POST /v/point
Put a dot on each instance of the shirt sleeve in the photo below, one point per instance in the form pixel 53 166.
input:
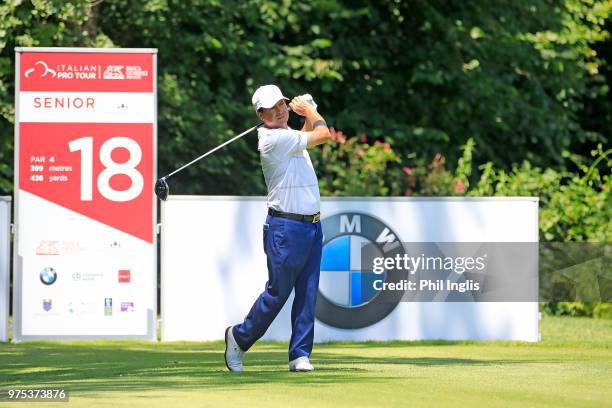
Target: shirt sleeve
pixel 289 142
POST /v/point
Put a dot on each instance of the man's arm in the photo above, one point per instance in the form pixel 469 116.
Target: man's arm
pixel 319 133
pixel 307 126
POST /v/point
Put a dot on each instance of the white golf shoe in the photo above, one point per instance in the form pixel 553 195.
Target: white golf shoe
pixel 300 364
pixel 233 352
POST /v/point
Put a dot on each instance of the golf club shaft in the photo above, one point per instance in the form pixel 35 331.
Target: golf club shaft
pixel 213 150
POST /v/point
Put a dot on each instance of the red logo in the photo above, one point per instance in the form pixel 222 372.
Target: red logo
pixel 124 276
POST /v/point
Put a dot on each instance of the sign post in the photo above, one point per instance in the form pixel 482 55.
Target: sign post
pixel 85 137
pixel 5 244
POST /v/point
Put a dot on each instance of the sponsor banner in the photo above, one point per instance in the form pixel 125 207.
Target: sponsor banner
pixel 65 293
pixel 85 209
pixel 223 237
pixel 86 107
pixel 94 72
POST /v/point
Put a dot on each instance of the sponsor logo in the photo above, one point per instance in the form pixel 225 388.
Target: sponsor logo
pixel 71 247
pixel 79 307
pixel 116 247
pixel 345 300
pixel 124 275
pixel 47 304
pixel 48 276
pixel 108 306
pixel 77 71
pixel 40 69
pixel 63 71
pixel 127 306
pixel 48 248
pixel 124 72
pixel 135 72
pixel 73 307
pixel 86 276
pixel 114 72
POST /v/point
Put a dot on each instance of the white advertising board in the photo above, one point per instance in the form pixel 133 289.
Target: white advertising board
pixel 213 267
pixel 85 137
pixel 5 244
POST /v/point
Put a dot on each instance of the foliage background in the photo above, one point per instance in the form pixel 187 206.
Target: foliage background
pixel 432 97
pixel 526 80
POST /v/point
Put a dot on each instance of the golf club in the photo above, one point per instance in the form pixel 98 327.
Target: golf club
pixel 162 189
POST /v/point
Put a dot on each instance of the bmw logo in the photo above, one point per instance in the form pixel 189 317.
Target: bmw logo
pixel 346 298
pixel 48 276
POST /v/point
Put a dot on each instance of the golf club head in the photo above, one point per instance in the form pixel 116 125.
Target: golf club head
pixel 162 189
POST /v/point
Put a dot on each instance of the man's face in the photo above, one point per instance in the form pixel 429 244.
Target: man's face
pixel 276 116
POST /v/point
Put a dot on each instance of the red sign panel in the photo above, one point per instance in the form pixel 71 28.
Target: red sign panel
pixel 92 72
pixel 101 170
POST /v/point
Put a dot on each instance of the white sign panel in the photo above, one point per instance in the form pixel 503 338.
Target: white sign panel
pixel 5 243
pixel 214 266
pixel 85 136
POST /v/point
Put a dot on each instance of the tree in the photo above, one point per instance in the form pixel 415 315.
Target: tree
pixel 520 78
pixel 41 23
pixel 427 75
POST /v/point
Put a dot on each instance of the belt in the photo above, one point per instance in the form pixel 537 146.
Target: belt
pixel 296 217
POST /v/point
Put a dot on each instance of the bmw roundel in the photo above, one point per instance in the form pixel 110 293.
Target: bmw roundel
pixel 48 276
pixel 346 298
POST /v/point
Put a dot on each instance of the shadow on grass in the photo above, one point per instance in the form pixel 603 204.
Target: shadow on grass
pixel 140 367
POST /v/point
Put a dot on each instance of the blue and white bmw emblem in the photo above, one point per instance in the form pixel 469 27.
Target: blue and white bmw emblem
pixel 347 299
pixel 48 276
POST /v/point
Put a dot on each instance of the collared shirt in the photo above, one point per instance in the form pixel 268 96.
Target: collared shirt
pixel 291 180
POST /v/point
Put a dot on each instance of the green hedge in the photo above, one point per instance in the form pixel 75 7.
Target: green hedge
pixel 574 206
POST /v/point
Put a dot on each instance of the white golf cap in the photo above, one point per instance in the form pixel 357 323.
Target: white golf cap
pixel 266 97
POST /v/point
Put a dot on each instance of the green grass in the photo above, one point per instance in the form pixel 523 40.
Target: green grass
pixel 571 367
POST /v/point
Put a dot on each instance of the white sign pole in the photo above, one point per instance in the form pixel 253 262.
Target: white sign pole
pixel 5 243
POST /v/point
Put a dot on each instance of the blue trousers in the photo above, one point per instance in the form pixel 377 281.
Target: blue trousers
pixel 293 249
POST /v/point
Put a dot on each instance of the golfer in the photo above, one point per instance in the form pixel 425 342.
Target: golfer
pixel 292 235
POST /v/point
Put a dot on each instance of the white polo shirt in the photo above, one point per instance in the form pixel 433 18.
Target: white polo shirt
pixel 291 180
